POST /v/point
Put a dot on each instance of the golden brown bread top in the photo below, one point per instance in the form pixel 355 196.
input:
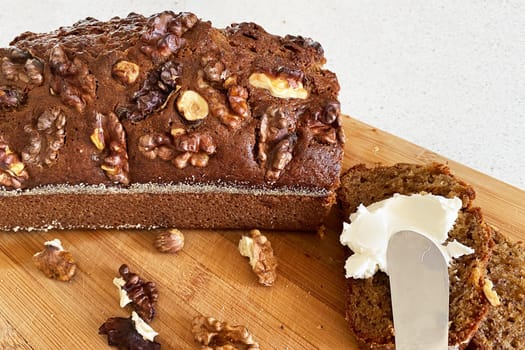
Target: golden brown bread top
pixel 121 102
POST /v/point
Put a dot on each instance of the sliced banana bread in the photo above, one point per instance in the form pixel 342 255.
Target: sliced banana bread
pixel 368 306
pixel 504 327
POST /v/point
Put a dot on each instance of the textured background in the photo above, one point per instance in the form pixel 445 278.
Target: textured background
pixel 447 75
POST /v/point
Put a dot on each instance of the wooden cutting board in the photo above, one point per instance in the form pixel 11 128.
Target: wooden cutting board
pixel 304 310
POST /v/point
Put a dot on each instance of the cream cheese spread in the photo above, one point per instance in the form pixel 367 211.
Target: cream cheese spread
pixel 371 228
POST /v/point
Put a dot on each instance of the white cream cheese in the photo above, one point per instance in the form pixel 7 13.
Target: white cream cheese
pixel 124 298
pixel 371 228
pixel 143 328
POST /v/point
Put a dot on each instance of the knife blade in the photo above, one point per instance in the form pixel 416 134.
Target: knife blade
pixel 419 285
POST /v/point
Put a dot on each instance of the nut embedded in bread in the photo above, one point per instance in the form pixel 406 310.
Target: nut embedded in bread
pixel 166 121
pixel 368 303
pixel 504 327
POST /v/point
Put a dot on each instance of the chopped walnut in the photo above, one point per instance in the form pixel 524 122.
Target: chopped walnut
pixel 125 71
pixel 276 142
pixel 259 249
pixel 279 86
pixel 55 262
pixel 282 155
pixel 218 105
pixel 143 295
pixel 123 334
pixel 163 34
pixel 170 241
pixel 490 293
pixel 71 79
pixel 109 137
pixel 323 133
pixel 155 145
pixel 181 148
pixel 20 66
pixel 325 126
pixel 11 97
pixel 155 91
pixel 214 69
pixel 238 96
pixel 12 170
pixel 46 137
pixel 213 334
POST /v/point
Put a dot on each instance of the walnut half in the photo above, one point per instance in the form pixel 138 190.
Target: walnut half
pixel 259 249
pixel 126 333
pixel 109 137
pixel 278 87
pixel 55 262
pixel 170 241
pixel 213 334
pixel 47 136
pixel 141 294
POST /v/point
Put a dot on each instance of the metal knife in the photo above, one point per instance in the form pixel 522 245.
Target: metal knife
pixel 419 285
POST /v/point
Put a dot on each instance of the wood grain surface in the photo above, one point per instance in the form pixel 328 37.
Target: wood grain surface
pixel 303 310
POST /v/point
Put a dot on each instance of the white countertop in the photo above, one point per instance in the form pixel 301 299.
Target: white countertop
pixel 447 75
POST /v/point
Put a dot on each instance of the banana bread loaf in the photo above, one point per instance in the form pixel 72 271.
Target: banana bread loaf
pixel 166 121
pixel 504 327
pixel 368 307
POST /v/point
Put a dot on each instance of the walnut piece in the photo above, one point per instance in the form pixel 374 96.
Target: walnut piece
pixel 55 262
pixel 192 106
pixel 282 155
pixel 213 334
pixel 46 137
pixel 218 105
pixel 170 241
pixel 125 71
pixel 71 79
pixel 259 249
pixel 276 142
pixel 213 68
pixel 180 147
pixel 143 295
pixel 163 34
pixel 325 127
pixel 12 170
pixel 278 86
pixel 109 137
pixel 490 293
pixel 154 92
pixel 238 98
pixel 20 66
pixel 11 97
pixel 123 334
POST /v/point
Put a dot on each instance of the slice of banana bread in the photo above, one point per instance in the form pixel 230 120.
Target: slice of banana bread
pixel 368 306
pixel 504 327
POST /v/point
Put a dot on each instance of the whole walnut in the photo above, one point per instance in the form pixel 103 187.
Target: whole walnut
pixel 109 137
